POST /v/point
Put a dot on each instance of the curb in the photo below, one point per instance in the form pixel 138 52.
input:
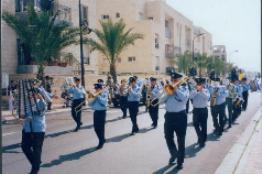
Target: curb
pixel 232 161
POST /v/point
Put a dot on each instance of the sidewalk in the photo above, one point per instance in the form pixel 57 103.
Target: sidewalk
pixel 245 156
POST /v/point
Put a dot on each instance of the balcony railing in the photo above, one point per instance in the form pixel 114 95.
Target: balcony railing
pixel 172 51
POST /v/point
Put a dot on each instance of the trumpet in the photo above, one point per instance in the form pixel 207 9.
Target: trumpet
pixel 169 90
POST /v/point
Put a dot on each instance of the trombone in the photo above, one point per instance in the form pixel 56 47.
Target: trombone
pixel 169 90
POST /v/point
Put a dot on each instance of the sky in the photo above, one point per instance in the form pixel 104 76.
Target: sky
pixel 233 23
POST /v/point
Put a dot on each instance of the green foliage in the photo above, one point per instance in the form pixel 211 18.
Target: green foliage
pixel 184 62
pixel 111 40
pixel 42 34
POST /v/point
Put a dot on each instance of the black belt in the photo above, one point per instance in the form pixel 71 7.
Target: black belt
pixel 176 113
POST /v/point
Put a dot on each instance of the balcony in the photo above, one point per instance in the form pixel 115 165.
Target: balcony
pixel 171 51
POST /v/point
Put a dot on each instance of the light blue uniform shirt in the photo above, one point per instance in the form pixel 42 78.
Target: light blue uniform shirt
pixel 200 99
pixel 222 93
pixel 177 101
pixel 239 90
pixel 245 87
pixel 155 91
pixel 78 92
pixel 38 118
pixel 100 103
pixel 134 94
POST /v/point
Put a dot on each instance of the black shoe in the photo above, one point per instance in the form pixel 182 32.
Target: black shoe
pixel 229 126
pixel 136 130
pixel 171 160
pixel 179 166
pixel 81 123
pixel 202 145
pixel 100 145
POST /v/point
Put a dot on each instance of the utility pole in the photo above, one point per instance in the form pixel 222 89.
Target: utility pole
pixel 82 66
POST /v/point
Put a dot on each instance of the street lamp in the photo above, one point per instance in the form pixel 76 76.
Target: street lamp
pixel 229 55
pixel 193 45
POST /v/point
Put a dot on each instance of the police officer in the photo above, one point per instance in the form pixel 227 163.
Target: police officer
pixel 33 133
pixel 218 94
pixel 123 90
pixel 245 88
pixel 176 120
pixel 200 97
pixel 99 105
pixel 153 108
pixel 134 95
pixel 79 94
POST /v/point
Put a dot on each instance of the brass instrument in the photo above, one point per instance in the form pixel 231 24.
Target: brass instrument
pixel 148 95
pixel 213 99
pixel 169 90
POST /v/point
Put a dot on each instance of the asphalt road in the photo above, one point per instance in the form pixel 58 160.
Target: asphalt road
pixel 67 152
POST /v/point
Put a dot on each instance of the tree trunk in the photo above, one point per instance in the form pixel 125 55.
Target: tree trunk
pixel 40 74
pixel 113 72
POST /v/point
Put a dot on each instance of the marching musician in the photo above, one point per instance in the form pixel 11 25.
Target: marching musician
pixel 176 120
pixel 153 109
pixel 99 105
pixel 123 91
pixel 79 94
pixel 245 87
pixel 238 100
pixel 134 96
pixel 218 102
pixel 200 97
pixel 33 133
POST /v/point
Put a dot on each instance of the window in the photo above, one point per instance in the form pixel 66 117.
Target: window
pixel 117 15
pixel 119 60
pixel 20 54
pixel 141 16
pixel 105 16
pixel 87 60
pixel 150 18
pixel 84 14
pixel 65 14
pixel 18 5
pixel 157 41
pixel 131 59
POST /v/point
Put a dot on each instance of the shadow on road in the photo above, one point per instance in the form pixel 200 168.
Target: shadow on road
pixel 120 138
pixel 10 148
pixel 168 169
pixel 192 150
pixel 69 157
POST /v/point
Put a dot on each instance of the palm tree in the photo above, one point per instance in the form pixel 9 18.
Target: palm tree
pixel 201 63
pixel 42 36
pixel 184 62
pixel 113 38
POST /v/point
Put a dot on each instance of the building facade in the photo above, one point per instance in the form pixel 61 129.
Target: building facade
pixel 12 53
pixel 219 51
pixel 202 41
pixel 167 33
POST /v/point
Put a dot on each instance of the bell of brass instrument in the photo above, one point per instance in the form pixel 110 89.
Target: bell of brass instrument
pixel 214 98
pixel 169 90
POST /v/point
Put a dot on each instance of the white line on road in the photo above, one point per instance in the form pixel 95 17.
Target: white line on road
pixel 9 133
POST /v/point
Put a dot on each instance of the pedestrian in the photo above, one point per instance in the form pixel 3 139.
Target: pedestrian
pixel 79 95
pixel 134 96
pixel 200 96
pixel 154 106
pixel 176 120
pixel 123 90
pixel 33 133
pixel 99 105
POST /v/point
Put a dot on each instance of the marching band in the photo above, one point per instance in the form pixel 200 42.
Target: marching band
pixel 175 94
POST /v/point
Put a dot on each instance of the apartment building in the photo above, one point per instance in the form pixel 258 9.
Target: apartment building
pixel 202 41
pixel 13 54
pixel 167 33
pixel 219 51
